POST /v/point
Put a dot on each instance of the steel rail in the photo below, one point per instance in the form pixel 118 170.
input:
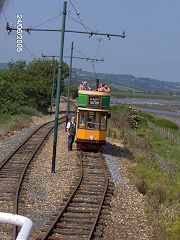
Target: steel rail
pixel 49 232
pixel 102 200
pixel 10 156
pixel 24 171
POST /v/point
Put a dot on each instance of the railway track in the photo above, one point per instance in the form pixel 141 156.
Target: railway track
pixel 82 215
pixel 13 170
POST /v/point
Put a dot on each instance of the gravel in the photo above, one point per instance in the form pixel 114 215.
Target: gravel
pixel 127 219
pixel 44 191
pixel 9 144
pixel 113 164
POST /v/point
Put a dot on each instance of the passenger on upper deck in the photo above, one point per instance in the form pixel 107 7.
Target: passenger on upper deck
pixel 101 87
pixel 84 86
pixel 81 86
pixel 107 88
pixel 104 88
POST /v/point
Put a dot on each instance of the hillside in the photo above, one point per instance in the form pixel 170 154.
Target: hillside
pixel 123 82
pixel 130 83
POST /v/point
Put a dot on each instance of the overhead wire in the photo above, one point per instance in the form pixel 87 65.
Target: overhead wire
pixel 34 56
pixel 78 22
pixel 98 48
pixel 47 21
pixel 81 22
pixel 82 54
pixel 87 29
pixel 4 15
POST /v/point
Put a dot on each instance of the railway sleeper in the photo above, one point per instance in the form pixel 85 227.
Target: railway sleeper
pixel 90 201
pixel 72 232
pixel 75 220
pixel 73 226
pixel 80 210
pixel 78 215
pixel 84 205
pixel 89 188
pixel 86 197
pixel 95 193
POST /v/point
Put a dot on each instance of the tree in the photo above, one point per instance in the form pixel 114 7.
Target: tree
pixel 28 85
pixel 19 65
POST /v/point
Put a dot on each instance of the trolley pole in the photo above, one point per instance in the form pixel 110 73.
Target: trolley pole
pixel 52 93
pixel 59 87
pixel 69 85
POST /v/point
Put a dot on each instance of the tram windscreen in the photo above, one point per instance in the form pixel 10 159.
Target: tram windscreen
pixel 93 120
pixel 103 122
pixel 81 121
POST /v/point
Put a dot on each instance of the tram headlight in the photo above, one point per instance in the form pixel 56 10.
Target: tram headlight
pixel 91 138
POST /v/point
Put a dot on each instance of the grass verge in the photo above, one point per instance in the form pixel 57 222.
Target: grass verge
pixel 11 123
pixel 155 172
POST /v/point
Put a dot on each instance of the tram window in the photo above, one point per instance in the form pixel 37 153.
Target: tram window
pixel 93 120
pixel 81 120
pixel 103 122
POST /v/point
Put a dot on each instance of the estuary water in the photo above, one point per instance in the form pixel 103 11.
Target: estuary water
pixel 145 103
pixel 158 111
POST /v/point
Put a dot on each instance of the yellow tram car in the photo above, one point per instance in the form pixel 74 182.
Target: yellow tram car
pixel 92 115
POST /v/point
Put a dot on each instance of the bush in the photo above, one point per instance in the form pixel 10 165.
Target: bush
pixel 134 117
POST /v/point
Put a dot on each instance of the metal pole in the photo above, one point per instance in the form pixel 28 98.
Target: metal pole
pixel 52 93
pixel 69 85
pixel 59 87
pixel 8 28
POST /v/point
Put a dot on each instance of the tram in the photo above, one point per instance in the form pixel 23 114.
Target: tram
pixel 92 115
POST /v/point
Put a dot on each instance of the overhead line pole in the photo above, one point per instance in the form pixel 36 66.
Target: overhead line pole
pixel 69 85
pixel 59 87
pixel 52 93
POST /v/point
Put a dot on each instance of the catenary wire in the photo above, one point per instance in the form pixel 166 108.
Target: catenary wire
pixel 34 56
pixel 47 21
pixel 4 15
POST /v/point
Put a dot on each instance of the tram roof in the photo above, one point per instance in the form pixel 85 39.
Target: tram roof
pixel 94 93
pixel 93 109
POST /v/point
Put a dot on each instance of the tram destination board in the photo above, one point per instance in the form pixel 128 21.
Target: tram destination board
pixel 94 100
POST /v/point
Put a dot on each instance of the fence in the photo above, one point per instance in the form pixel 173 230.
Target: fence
pixel 164 132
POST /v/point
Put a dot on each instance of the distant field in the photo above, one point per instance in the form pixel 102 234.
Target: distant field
pixel 143 95
pixel 118 87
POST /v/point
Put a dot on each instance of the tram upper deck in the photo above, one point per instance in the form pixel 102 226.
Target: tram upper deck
pixel 93 99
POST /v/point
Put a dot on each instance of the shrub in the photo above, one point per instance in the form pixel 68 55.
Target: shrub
pixel 134 117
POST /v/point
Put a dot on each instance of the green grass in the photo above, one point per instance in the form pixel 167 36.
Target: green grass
pixel 160 122
pixel 156 172
pixel 118 109
pixel 22 116
pixel 118 87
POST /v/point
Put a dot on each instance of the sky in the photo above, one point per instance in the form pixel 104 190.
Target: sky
pixel 151 47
